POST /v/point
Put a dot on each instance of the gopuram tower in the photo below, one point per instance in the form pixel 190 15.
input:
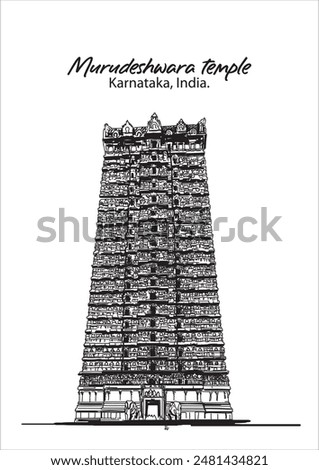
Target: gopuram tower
pixel 153 343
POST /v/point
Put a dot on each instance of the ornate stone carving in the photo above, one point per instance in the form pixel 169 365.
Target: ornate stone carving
pixel 127 128
pixel 181 126
pixel 154 321
pixel 154 124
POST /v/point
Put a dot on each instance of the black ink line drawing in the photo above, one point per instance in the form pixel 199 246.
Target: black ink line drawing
pixel 154 345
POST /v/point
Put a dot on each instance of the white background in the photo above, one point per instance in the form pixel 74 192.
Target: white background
pixel 261 151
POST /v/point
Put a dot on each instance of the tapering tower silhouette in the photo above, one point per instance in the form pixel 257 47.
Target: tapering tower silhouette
pixel 154 344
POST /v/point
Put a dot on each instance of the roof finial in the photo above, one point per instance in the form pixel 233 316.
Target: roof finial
pixel 154 124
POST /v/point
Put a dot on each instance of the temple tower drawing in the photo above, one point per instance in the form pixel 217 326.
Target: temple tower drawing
pixel 154 344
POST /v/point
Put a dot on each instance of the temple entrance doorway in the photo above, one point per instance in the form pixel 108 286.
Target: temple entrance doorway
pixel 152 408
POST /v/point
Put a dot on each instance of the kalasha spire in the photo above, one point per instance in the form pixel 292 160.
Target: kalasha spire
pixel 154 124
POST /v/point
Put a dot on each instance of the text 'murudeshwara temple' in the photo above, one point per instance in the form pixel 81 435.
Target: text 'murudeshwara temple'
pixel 154 345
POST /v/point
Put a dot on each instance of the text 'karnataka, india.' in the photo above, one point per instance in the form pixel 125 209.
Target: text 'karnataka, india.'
pixel 154 346
pixel 194 82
